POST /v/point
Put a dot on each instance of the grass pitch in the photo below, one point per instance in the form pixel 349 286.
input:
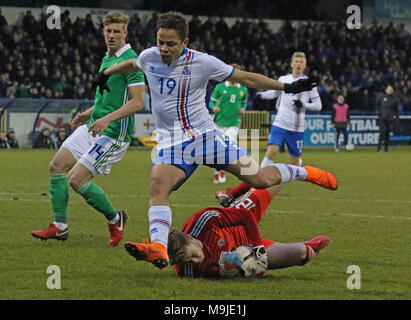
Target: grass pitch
pixel 368 220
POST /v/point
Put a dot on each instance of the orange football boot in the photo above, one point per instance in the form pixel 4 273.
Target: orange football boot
pixel 321 178
pixel 154 252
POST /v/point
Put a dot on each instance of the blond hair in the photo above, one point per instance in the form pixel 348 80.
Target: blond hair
pixel 115 17
pixel 298 54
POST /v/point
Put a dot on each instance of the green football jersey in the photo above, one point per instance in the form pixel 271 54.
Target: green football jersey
pixel 117 97
pixel 230 99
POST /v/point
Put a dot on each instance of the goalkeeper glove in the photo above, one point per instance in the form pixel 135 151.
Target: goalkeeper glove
pixel 101 82
pixel 230 262
pixel 256 266
pixel 301 85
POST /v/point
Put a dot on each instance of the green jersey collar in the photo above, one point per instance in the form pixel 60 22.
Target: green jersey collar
pixel 122 50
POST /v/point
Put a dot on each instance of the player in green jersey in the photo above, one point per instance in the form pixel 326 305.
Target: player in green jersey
pixel 228 102
pixel 84 155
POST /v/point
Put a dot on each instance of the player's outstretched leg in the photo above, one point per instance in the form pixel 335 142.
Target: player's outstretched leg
pixel 153 252
pixel 284 255
pixel 321 178
pixel 251 173
pixel 317 176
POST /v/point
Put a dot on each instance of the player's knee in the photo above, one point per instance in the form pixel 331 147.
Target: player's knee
pixel 73 181
pixel 158 187
pixel 56 167
pixel 259 181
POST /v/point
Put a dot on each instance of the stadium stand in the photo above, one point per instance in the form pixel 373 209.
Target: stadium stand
pixel 40 63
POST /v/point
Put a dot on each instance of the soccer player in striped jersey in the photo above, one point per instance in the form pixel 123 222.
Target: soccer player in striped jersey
pixel 205 246
pixel 186 134
pixel 288 126
pixel 228 102
pixel 83 155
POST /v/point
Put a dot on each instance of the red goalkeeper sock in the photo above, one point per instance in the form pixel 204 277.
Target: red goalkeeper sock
pixel 239 190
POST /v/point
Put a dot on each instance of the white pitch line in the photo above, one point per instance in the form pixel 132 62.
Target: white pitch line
pixel 279 197
pixel 344 200
pixel 198 207
pixel 357 215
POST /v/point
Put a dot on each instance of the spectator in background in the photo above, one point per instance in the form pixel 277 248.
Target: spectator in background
pixel 43 139
pixel 4 84
pixel 11 139
pixel 3 141
pixel 340 120
pixel 3 21
pixel 387 108
pixel 376 54
pixel 58 137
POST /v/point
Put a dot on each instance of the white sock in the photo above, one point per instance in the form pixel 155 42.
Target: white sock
pixel 309 255
pixel 115 220
pixel 159 223
pixel 266 162
pixel 290 173
pixel 61 226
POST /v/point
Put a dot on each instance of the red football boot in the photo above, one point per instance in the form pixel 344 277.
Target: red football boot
pixel 117 229
pixel 51 232
pixel 318 243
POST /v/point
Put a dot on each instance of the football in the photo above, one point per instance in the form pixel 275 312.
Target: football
pixel 349 147
pixel 246 252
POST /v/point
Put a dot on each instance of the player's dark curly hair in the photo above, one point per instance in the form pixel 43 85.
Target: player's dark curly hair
pixel 174 20
pixel 177 242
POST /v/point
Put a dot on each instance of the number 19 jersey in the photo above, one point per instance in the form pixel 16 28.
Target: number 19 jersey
pixel 178 93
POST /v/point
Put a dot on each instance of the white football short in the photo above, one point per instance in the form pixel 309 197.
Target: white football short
pixel 231 132
pixel 98 154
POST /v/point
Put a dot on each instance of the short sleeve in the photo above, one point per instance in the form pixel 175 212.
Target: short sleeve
pixel 142 58
pixel 216 69
pixel 135 79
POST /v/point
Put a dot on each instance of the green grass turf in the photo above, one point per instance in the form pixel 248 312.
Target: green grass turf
pixel 368 220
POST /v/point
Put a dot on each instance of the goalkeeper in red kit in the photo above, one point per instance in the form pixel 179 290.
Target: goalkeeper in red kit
pixel 206 245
